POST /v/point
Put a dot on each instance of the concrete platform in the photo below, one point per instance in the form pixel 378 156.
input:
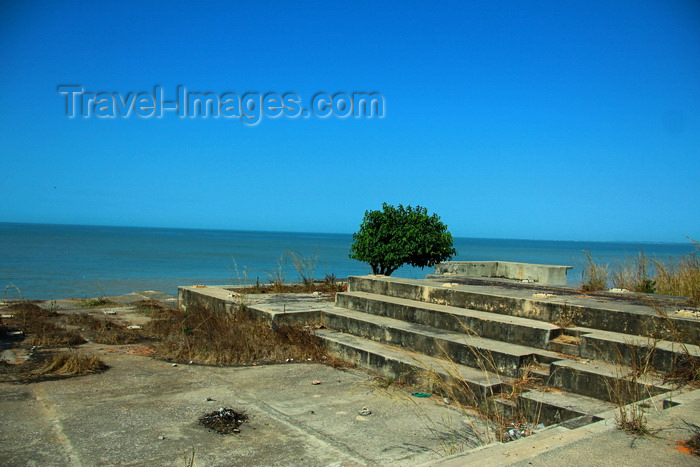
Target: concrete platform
pixel 536 352
pixel 119 417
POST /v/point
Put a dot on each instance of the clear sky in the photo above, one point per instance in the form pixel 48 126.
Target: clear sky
pixel 538 120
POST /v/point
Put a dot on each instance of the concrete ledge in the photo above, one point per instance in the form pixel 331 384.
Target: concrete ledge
pixel 540 273
pixel 303 309
pixel 511 329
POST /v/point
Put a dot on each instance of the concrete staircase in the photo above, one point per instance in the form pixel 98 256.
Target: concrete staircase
pixel 517 351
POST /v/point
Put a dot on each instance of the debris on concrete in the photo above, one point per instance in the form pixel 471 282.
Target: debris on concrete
pixel 616 290
pixel 365 411
pixel 224 421
pixel 543 295
pixel 14 356
pixel 174 364
pixel 315 382
pixel 420 394
pixel 520 430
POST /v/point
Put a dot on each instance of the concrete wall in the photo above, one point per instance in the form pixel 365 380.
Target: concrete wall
pixel 540 273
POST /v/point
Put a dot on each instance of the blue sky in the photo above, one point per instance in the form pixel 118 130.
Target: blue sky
pixel 536 120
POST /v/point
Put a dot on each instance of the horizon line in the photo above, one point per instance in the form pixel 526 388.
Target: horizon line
pixel 333 233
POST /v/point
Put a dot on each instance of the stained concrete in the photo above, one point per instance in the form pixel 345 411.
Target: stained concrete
pixel 599 443
pixel 540 273
pixel 118 417
pixel 508 335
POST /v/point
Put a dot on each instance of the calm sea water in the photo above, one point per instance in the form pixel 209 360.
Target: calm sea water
pixel 59 261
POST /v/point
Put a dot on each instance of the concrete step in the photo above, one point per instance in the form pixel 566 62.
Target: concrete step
pixel 465 349
pixel 605 381
pixel 468 385
pixel 553 406
pixel 662 355
pixel 535 371
pixel 568 342
pixel 512 329
pixel 564 306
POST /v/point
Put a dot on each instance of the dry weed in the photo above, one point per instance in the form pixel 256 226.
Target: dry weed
pixel 103 331
pixel 212 338
pixel 72 364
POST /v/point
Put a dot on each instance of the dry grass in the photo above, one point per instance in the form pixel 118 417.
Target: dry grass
pixel 27 314
pixel 45 328
pixel 672 276
pixel 626 390
pixel 48 334
pixel 148 306
pixel 491 414
pixel 692 444
pixel 96 302
pixel 595 276
pixel 634 274
pixel 103 331
pixel 329 286
pixel 72 364
pixel 679 277
pixel 209 338
pixel 41 327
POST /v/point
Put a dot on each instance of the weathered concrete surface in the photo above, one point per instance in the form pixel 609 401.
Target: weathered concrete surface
pixel 487 325
pixel 511 333
pixel 540 273
pixel 117 417
pixel 303 308
pixel 610 313
pixel 599 443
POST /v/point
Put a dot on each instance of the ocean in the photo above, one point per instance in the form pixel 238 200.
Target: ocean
pixel 41 261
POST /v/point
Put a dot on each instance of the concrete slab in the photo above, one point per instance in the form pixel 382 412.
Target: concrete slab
pixel 599 443
pixel 119 417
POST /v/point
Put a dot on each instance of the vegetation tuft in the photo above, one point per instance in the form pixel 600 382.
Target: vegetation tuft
pixel 692 443
pixel 325 287
pixel 672 276
pixel 102 331
pixel 96 302
pixel 72 364
pixel 595 276
pixel 210 338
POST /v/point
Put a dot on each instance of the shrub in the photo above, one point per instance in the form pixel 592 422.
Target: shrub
pixel 392 237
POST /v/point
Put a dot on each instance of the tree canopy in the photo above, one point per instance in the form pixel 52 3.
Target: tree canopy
pixel 392 237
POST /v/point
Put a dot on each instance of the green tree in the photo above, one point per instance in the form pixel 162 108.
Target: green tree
pixel 392 237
